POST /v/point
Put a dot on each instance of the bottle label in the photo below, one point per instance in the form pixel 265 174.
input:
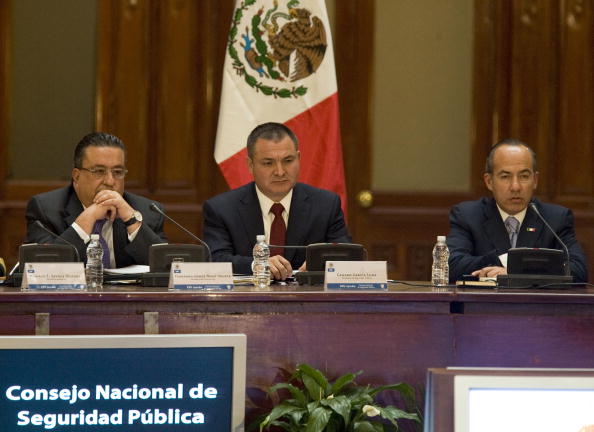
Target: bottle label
pixel 200 276
pixel 54 276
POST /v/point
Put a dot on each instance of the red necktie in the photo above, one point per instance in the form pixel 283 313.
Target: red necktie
pixel 278 230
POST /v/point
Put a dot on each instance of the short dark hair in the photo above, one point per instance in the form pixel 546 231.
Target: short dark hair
pixel 269 131
pixel 509 142
pixel 96 139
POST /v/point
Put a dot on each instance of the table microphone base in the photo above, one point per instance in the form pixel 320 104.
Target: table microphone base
pixel 529 281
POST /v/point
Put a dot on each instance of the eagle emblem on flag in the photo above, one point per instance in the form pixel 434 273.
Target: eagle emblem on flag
pixel 275 46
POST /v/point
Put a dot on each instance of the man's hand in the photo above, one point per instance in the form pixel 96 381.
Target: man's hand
pixel 86 220
pixel 110 198
pixel 280 268
pixel 490 272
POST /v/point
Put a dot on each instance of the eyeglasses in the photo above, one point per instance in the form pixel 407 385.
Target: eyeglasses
pixel 100 172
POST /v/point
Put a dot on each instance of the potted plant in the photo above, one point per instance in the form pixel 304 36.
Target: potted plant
pixel 308 402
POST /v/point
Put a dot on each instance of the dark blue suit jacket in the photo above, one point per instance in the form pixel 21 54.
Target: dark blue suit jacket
pixel 233 219
pixel 478 236
pixel 58 209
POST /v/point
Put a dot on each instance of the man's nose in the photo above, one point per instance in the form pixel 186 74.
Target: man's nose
pixel 109 178
pixel 515 183
pixel 279 169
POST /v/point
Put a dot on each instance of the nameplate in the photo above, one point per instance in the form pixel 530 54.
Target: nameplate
pixel 201 276
pixel 54 276
pixel 356 275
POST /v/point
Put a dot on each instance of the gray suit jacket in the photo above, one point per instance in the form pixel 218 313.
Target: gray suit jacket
pixel 233 219
pixel 57 210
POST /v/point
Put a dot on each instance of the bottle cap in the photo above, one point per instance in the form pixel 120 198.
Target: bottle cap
pixel 94 236
pixel 441 238
pixel 260 238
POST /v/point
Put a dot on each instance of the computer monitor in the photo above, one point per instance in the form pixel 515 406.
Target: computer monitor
pixel 124 383
pixel 33 252
pixel 509 399
pixel 317 254
pixel 536 261
pixel 161 255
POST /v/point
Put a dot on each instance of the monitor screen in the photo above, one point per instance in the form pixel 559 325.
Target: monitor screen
pixel 124 383
pixel 523 403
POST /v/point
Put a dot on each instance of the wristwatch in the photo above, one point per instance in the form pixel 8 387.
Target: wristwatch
pixel 136 217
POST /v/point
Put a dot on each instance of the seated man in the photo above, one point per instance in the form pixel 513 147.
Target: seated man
pixel 304 214
pixel 481 232
pixel 95 202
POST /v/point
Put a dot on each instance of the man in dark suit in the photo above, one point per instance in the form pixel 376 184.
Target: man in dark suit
pixel 482 231
pixel 233 219
pixel 95 202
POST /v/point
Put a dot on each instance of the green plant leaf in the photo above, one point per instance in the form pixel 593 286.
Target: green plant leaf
pixel 392 413
pixel 404 389
pixel 346 378
pixel 340 405
pixel 367 426
pixel 318 420
pixel 295 392
pixel 305 369
pixel 279 411
pixel 315 391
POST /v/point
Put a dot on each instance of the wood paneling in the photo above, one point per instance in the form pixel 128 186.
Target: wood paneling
pixel 576 102
pixel 158 87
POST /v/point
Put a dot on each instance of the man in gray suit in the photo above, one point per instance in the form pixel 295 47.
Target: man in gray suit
pixel 95 202
pixel 233 219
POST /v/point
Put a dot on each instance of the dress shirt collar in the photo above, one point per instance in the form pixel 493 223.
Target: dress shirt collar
pixel 519 216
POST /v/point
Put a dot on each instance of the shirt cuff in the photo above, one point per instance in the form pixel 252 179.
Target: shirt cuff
pixel 81 233
pixel 133 234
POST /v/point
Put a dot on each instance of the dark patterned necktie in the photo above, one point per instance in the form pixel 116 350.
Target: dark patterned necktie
pixel 512 225
pixel 97 228
pixel 278 229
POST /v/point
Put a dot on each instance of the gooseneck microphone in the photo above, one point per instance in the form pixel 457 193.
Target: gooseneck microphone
pixel 53 234
pixel 154 207
pixel 567 256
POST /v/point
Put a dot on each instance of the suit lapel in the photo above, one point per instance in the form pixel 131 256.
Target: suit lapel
pixel 250 214
pixel 298 220
pixel 495 229
pixel 530 231
pixel 73 208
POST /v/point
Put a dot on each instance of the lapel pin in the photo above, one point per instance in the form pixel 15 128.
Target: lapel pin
pixel 530 229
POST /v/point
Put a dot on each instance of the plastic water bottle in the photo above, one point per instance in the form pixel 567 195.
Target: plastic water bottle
pixel 440 271
pixel 261 264
pixel 94 268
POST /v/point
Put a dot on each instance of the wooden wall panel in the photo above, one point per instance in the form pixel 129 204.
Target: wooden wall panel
pixel 176 72
pixel 125 52
pixel 576 102
pixel 533 76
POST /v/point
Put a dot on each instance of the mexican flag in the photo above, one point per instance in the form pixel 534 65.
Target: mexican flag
pixel 279 67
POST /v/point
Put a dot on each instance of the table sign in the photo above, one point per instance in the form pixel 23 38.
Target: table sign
pixel 356 275
pixel 200 276
pixel 54 276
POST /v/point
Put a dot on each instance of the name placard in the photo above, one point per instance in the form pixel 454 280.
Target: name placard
pixel 201 276
pixel 356 275
pixel 54 276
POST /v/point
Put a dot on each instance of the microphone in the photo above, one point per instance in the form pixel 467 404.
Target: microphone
pixel 154 207
pixel 567 256
pixel 53 234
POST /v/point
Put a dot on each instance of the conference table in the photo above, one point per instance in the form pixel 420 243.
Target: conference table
pixel 392 335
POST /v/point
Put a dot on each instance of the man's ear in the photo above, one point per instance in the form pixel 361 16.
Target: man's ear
pixel 250 165
pixel 75 175
pixel 535 179
pixel 488 177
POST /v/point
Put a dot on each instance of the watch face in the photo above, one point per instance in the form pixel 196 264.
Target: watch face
pixel 138 216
